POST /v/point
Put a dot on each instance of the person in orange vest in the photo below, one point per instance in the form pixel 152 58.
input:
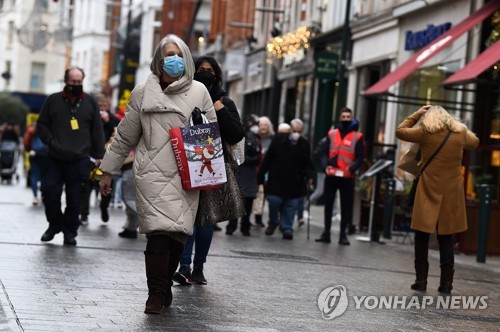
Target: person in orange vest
pixel 345 156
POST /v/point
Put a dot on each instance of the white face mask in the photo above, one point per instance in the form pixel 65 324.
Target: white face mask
pixel 294 136
pixel 254 129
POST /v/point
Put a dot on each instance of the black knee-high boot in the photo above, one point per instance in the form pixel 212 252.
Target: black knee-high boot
pixel 447 260
pixel 173 263
pixel 157 273
pixel 421 261
pixel 421 271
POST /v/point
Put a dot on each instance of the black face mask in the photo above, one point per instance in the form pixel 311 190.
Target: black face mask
pixel 345 124
pixel 205 77
pixel 74 90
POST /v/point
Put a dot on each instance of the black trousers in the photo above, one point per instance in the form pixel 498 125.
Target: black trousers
pixel 346 188
pixel 164 243
pixel 446 255
pixel 85 203
pixel 73 177
pixel 245 220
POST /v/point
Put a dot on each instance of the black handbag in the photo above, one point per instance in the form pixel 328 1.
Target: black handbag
pixel 221 204
pixel 411 196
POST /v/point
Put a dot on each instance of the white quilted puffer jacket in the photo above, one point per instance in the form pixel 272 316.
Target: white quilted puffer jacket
pixel 162 204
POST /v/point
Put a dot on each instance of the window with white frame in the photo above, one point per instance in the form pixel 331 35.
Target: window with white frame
pixel 37 76
pixel 10 33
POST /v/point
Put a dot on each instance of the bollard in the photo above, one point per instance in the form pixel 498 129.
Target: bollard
pixel 485 197
pixel 390 185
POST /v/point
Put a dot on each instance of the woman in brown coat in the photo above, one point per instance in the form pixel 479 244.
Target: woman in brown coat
pixel 440 199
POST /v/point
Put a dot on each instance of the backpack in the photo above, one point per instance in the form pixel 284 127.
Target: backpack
pixel 38 146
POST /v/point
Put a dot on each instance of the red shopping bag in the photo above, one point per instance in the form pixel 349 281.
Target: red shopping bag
pixel 199 155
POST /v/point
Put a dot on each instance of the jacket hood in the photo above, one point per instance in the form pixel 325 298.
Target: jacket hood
pixel 354 126
pixel 154 98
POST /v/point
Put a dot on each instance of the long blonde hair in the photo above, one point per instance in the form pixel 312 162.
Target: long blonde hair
pixel 437 119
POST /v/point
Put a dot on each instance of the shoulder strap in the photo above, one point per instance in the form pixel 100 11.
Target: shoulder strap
pixel 434 154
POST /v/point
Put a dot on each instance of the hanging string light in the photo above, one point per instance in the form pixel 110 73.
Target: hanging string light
pixel 288 45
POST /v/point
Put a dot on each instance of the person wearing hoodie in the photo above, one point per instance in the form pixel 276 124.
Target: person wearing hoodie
pixel 345 155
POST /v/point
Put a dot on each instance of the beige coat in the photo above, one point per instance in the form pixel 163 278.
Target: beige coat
pixel 440 199
pixel 162 204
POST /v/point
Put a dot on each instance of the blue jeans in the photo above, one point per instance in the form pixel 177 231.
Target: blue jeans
pixel 37 164
pixel 282 212
pixel 117 189
pixel 203 237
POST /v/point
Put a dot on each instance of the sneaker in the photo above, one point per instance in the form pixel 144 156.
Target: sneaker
pixel 198 277
pixel 183 276
pixel 35 201
pixel 128 234
pixel 84 220
pixel 302 221
pixel 270 229
pixel 104 214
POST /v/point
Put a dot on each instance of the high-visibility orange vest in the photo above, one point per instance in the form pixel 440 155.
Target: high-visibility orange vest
pixel 345 151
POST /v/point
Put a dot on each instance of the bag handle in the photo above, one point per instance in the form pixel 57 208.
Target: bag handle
pixel 197 116
pixel 434 154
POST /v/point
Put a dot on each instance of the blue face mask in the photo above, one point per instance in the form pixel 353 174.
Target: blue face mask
pixel 173 65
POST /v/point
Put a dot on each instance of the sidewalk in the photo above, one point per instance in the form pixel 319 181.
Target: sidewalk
pixel 257 283
pixel 406 244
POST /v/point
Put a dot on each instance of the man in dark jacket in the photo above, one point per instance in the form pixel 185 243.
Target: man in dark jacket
pixel 289 167
pixel 71 126
pixel 345 155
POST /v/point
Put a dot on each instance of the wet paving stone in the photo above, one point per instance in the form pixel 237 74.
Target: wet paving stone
pixel 257 283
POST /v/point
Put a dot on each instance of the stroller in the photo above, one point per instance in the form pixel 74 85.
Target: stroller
pixel 9 157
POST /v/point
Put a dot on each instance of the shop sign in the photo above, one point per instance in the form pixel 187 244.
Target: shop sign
pixel 326 64
pixel 254 69
pixel 419 39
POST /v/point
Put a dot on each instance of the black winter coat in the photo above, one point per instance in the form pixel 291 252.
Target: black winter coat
pixel 231 129
pixel 247 172
pixel 289 167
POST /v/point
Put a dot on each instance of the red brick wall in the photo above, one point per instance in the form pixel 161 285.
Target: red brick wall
pixel 241 11
pixel 182 16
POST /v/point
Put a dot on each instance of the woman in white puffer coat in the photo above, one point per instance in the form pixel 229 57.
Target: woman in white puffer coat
pixel 166 212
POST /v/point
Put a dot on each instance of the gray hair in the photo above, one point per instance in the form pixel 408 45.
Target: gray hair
pixel 297 122
pixel 284 128
pixel 157 62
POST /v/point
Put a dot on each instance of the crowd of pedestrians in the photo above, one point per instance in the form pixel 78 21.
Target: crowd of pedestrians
pixel 80 146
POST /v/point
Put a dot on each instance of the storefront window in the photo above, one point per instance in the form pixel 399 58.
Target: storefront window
pixel 483 168
pixel 304 101
pixel 424 87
